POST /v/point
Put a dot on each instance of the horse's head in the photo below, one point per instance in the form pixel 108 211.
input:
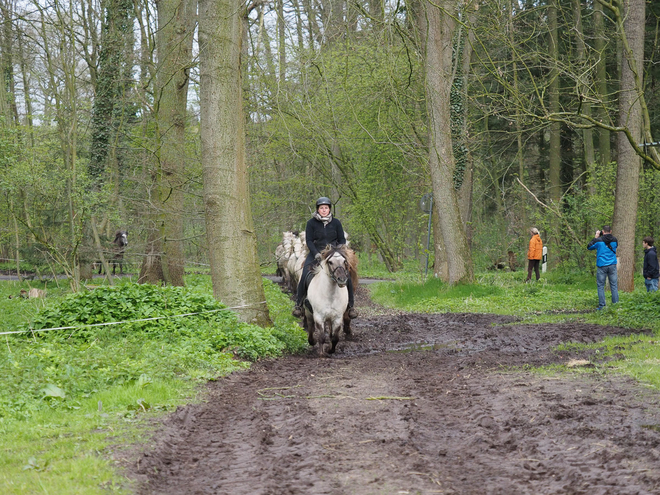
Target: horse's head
pixel 121 238
pixel 337 266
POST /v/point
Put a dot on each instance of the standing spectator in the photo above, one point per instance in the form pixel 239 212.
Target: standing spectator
pixel 534 254
pixel 651 271
pixel 605 245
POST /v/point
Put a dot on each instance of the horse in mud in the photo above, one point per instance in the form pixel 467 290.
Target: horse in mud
pixel 327 300
pixel 118 248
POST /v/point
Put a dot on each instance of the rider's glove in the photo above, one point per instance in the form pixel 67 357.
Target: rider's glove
pixel 318 257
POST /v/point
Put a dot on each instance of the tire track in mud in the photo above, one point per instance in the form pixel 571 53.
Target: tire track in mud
pixel 384 416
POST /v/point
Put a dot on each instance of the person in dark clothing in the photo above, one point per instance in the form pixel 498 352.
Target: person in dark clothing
pixel 651 269
pixel 321 230
pixel 605 245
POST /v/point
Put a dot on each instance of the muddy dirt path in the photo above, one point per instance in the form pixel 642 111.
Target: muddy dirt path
pixel 415 404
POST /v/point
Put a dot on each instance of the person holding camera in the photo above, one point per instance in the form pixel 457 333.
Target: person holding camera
pixel 651 270
pixel 605 245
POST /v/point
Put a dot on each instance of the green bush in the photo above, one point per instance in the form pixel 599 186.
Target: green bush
pixel 58 368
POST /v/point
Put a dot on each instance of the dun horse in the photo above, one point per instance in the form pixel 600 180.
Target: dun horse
pixel 327 300
pixel 118 247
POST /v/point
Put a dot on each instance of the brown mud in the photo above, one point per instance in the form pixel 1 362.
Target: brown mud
pixel 416 404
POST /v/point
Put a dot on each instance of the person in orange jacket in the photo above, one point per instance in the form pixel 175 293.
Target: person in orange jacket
pixel 534 254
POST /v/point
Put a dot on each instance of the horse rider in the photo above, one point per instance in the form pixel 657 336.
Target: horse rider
pixel 322 229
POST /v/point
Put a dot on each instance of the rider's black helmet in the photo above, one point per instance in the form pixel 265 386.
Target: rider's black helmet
pixel 323 201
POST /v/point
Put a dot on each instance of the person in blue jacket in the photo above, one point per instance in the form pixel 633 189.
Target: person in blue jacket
pixel 321 230
pixel 605 245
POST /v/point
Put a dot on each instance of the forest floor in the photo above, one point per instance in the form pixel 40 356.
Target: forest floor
pixel 416 403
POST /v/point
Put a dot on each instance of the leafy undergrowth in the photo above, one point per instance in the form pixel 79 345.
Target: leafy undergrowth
pixel 68 393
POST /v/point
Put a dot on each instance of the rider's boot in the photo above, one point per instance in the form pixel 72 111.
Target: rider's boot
pixel 352 313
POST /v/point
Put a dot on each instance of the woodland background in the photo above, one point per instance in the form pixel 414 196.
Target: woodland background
pixel 101 117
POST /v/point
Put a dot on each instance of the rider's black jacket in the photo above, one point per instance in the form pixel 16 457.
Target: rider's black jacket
pixel 651 269
pixel 318 236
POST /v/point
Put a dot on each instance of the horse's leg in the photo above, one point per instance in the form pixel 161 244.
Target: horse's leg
pixel 308 325
pixel 347 325
pixel 322 338
pixel 334 337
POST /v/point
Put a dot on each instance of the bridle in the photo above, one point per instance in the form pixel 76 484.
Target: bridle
pixel 333 272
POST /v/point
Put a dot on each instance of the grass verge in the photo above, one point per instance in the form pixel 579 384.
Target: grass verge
pixel 71 397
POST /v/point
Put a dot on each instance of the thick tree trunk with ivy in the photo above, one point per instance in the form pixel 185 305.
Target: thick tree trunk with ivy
pixel 629 163
pixel 230 231
pixel 437 30
pixel 116 29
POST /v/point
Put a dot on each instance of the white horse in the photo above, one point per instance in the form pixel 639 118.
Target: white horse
pixel 296 261
pixel 282 255
pixel 328 297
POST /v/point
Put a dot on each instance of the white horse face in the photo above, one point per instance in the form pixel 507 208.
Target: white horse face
pixel 338 269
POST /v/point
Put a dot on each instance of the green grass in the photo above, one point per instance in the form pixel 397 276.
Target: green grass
pixel 68 451
pixel 70 397
pixel 499 293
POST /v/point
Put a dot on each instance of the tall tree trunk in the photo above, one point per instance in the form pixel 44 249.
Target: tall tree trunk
pixel 7 10
pixel 581 51
pixel 281 41
pixel 313 26
pixel 629 163
pixel 230 232
pixel 554 168
pixel 299 27
pixel 466 184
pixel 601 84
pixel 176 23
pixel 520 155
pixel 26 89
pixel 437 30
